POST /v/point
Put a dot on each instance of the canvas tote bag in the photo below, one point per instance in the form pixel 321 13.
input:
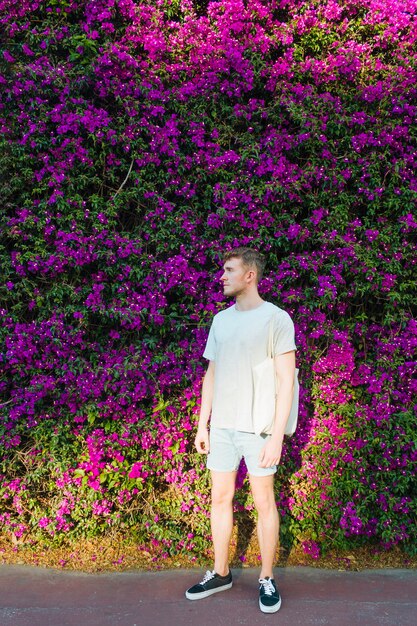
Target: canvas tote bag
pixel 265 391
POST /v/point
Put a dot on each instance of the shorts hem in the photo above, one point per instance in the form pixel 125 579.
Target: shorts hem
pixel 215 469
pixel 265 472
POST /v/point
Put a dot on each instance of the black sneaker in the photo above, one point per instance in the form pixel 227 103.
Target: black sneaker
pixel 211 583
pixel 269 598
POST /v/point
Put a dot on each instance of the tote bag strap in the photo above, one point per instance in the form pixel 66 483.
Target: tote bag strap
pixel 271 339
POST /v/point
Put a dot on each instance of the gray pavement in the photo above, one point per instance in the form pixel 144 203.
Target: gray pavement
pixel 44 597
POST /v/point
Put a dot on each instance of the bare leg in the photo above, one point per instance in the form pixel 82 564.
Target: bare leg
pixel 222 492
pixel 268 521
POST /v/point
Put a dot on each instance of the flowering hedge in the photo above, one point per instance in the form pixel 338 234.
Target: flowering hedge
pixel 139 141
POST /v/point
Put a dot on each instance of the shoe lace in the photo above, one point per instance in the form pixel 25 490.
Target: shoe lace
pixel 207 576
pixel 267 585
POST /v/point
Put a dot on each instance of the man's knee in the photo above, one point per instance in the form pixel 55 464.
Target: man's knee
pixel 263 495
pixel 266 506
pixel 222 488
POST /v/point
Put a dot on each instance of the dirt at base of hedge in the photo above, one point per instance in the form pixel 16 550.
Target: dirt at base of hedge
pixel 117 553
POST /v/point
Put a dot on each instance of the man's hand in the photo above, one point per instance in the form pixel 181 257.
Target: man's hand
pixel 201 441
pixel 270 453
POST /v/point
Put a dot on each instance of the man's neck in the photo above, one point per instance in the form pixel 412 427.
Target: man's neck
pixel 248 301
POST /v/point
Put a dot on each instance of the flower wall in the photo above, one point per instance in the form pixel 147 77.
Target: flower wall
pixel 139 141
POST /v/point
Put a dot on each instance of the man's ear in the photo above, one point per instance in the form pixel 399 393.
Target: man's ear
pixel 250 276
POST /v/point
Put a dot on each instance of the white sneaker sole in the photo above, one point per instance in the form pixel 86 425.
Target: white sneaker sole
pixel 206 594
pixel 270 609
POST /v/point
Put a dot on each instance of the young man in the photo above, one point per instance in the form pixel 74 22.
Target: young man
pixel 238 341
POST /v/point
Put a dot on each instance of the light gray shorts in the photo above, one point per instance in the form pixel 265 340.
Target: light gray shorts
pixel 228 447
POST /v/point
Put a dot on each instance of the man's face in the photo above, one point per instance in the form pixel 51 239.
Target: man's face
pixel 234 277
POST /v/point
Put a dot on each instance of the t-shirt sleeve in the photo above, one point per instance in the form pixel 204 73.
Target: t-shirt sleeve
pixel 284 335
pixel 210 349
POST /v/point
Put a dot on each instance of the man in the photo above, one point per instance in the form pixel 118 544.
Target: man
pixel 237 342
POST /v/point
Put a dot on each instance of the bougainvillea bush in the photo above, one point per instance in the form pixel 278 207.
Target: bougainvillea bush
pixel 141 139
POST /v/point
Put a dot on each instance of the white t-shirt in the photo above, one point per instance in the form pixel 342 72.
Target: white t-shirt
pixel 238 340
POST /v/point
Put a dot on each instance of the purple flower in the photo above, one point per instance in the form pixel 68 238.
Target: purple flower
pixel 8 57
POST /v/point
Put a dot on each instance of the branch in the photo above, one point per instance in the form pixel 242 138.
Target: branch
pixel 125 180
pixel 8 402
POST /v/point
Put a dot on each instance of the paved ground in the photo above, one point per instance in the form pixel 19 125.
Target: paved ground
pixel 41 597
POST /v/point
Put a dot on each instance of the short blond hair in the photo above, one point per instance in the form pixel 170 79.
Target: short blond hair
pixel 250 258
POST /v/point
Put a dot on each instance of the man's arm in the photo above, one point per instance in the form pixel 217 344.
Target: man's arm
pixel 285 372
pixel 202 437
